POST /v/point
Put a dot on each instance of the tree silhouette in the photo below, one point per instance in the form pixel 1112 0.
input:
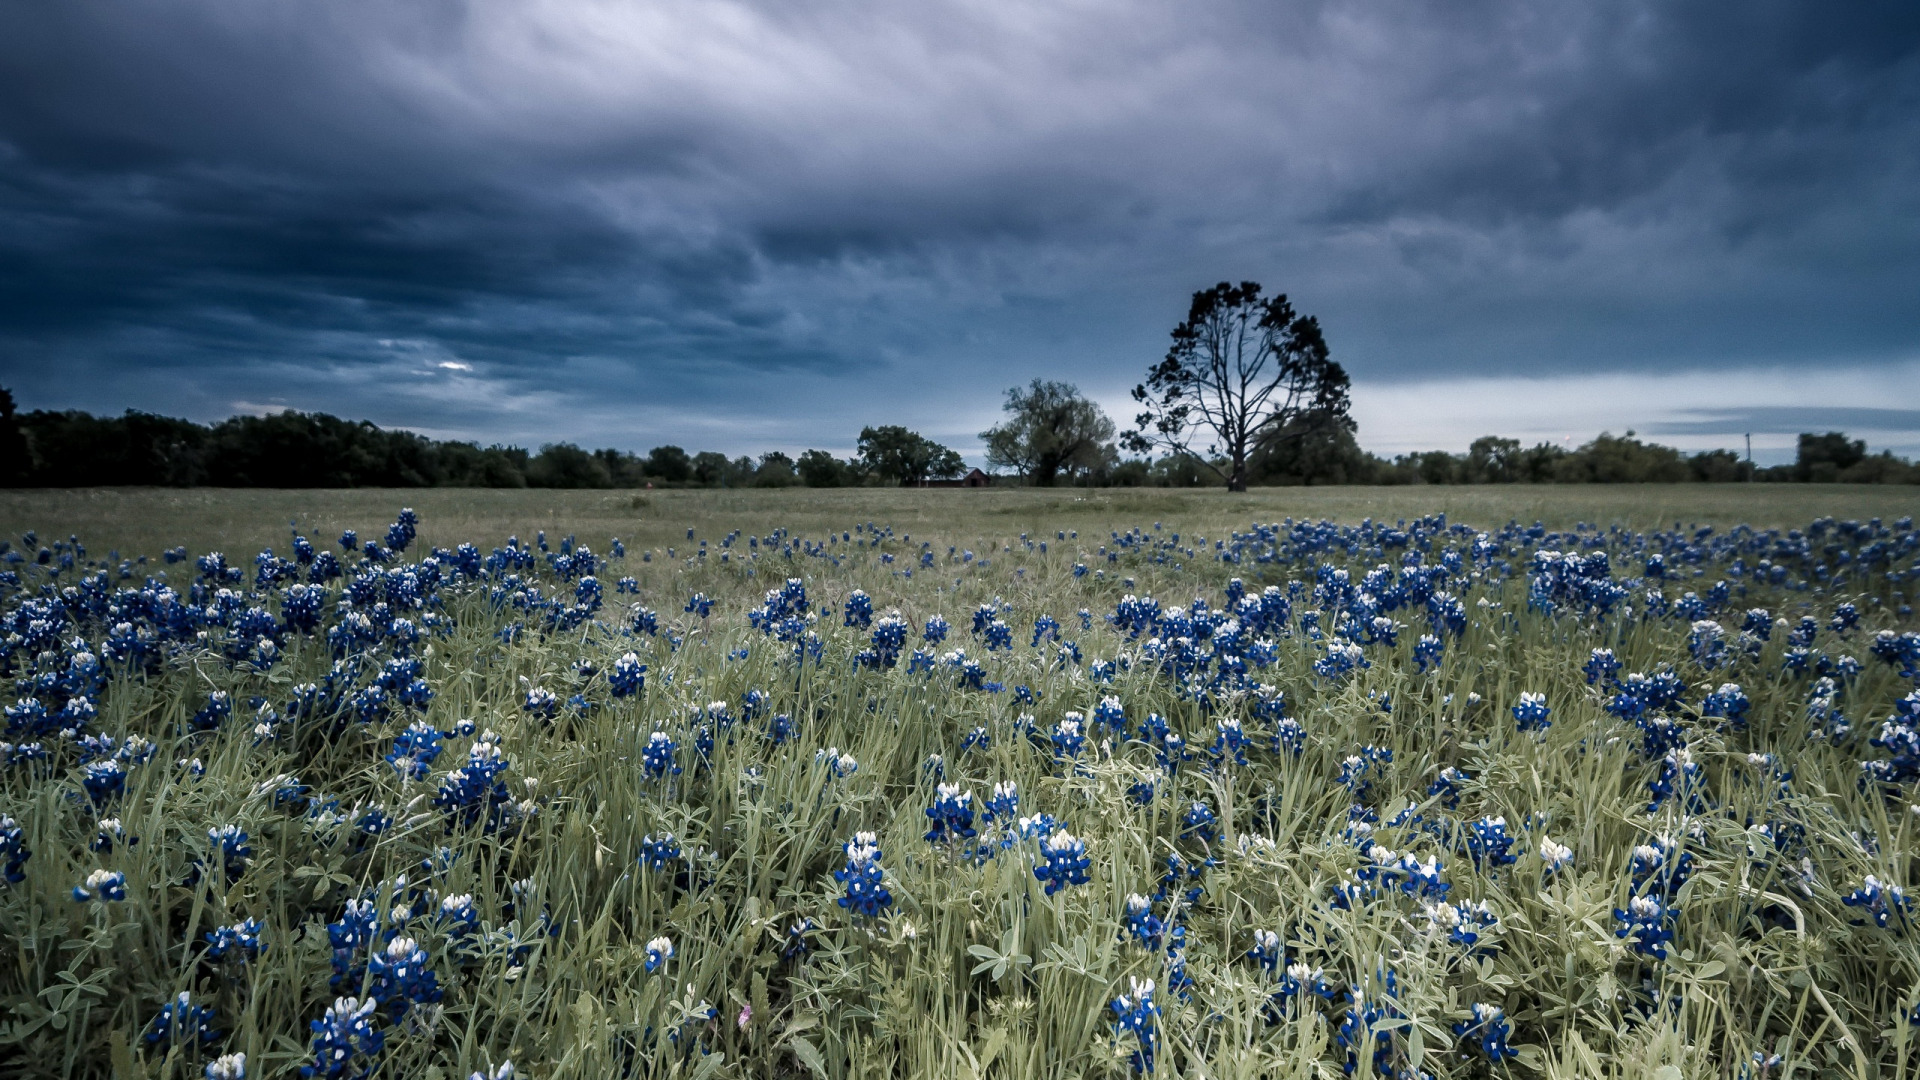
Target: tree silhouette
pixel 1246 373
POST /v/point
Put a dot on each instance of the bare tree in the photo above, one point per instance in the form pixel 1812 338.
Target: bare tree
pixel 1245 373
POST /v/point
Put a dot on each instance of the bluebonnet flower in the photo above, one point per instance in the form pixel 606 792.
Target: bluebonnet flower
pixel 101 885
pixel 1142 925
pixel 1729 702
pixel 1491 1028
pixel 1707 642
pixel 1600 667
pixel 839 765
pixel 1420 879
pixel 14 852
pixel 659 951
pixel 658 756
pixel 1465 923
pixel 657 853
pixel 400 977
pixel 1879 900
pixel 1659 868
pixel 1427 652
pixel 1133 1014
pixel 1290 736
pixel 796 946
pixel 1111 715
pixel 1446 785
pixel 103 780
pixel 859 612
pixel 1648 923
pixel 1067 737
pixel 998 635
pixel 1199 821
pixel 219 706
pixel 1557 856
pixel 240 941
pixel 458 916
pixel 1343 657
pixel 936 630
pixel 977 739
pixel 780 728
pixel 1365 1019
pixel 1063 861
pixel 110 833
pixel 1679 776
pixel 1004 805
pixel 226 1067
pixel 1266 951
pixel 181 1021
pixel 1845 617
pixel 1488 843
pixel 628 677
pixel 414 750
pixel 345 1042
pixel 1356 769
pixel 951 814
pixel 542 702
pixel 1532 712
pixel 1229 742
pixel 475 790
pixel 866 890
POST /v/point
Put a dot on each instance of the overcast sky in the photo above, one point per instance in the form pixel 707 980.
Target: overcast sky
pixel 748 226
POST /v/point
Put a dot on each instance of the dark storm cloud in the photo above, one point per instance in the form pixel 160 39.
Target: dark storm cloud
pixel 746 225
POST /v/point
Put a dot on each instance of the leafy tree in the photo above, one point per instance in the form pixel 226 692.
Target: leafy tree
pixel 817 468
pixel 1245 372
pixel 16 457
pixel 1621 459
pixel 669 463
pixel 907 457
pixel 1716 467
pixel 710 467
pixel 1184 470
pixel 1327 454
pixel 1492 460
pixel 564 465
pixel 1822 458
pixel 1051 429
pixel 776 470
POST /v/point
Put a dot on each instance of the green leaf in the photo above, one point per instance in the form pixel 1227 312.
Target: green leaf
pixel 809 1056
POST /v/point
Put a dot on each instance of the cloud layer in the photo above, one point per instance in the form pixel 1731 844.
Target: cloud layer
pixel 756 225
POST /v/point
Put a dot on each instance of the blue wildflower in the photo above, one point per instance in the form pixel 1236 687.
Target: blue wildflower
pixel 866 891
pixel 658 756
pixel 1063 861
pixel 102 885
pixel 1532 712
pixel 1490 1027
pixel 659 951
pixel 181 1021
pixel 1133 1015
pixel 345 1042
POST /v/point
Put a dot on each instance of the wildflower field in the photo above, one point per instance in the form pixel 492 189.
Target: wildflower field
pixel 943 784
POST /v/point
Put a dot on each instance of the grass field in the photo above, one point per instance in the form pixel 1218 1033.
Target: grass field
pixel 1018 784
pixel 150 519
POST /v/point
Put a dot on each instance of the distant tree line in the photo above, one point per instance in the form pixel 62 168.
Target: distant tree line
pixel 1052 435
pixel 70 448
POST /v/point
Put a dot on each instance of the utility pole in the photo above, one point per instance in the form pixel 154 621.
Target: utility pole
pixel 1749 457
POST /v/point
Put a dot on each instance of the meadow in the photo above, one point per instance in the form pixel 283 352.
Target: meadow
pixel 1448 782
